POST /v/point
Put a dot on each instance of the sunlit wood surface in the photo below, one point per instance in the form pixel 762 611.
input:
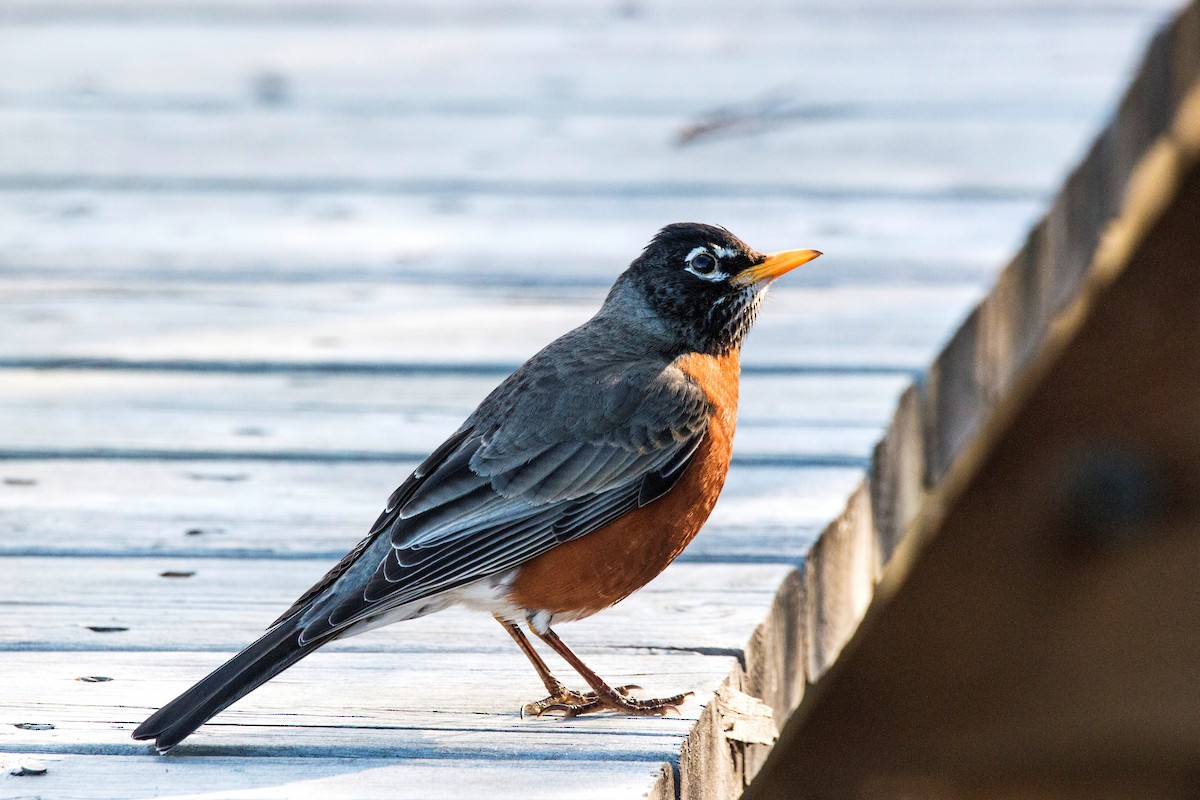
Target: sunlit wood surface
pixel 1034 632
pixel 257 258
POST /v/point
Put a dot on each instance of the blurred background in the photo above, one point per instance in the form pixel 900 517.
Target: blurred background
pixel 528 147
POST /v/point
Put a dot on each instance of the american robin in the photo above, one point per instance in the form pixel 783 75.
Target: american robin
pixel 576 481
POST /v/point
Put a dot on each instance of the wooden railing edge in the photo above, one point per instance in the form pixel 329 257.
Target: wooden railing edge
pixel 936 418
pixel 1105 204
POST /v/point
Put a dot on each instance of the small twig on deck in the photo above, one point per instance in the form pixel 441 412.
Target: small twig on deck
pixel 753 118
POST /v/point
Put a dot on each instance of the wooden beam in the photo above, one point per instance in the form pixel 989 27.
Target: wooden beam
pixel 1036 632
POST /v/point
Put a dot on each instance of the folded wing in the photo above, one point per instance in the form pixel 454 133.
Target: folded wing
pixel 527 471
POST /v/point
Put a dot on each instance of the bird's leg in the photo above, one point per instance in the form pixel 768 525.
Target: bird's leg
pixel 560 695
pixel 553 685
pixel 602 695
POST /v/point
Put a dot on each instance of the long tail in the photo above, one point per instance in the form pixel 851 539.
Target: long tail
pixel 274 652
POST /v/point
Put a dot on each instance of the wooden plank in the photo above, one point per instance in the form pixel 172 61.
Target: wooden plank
pixel 1049 575
pixel 1051 579
pixel 90 777
pixel 85 777
pixel 510 11
pixel 382 417
pixel 341 704
pixel 316 509
pixel 677 62
pixel 191 604
pixel 580 154
pixel 329 277
pixel 480 239
pixel 847 327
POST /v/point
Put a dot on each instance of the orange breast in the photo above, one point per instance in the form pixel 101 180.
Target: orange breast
pixel 591 573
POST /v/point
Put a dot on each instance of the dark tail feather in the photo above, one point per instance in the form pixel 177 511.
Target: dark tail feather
pixel 274 652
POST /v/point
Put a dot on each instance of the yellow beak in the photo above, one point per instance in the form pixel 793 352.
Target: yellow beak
pixel 775 265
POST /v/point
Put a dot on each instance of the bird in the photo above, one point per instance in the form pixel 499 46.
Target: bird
pixel 575 482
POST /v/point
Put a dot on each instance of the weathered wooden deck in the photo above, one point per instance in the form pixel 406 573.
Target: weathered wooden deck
pixel 257 259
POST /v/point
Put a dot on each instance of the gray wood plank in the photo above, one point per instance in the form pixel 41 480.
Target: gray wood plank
pixel 206 604
pixel 815 417
pixel 677 62
pixel 81 777
pixel 523 154
pixel 481 239
pixel 847 327
pixel 141 777
pixel 179 146
pixel 314 509
pixel 339 704
pixel 342 11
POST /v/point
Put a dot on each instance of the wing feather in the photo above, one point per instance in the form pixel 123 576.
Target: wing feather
pixel 528 470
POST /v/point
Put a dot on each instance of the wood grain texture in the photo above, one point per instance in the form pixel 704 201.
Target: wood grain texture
pixel 285 11
pixel 1049 576
pixel 383 704
pixel 384 417
pixel 1051 582
pixel 179 603
pixel 1006 61
pixel 311 508
pixel 481 239
pixel 522 154
pixel 315 233
pixel 839 327
pixel 142 777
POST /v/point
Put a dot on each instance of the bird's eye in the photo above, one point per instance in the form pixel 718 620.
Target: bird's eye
pixel 703 264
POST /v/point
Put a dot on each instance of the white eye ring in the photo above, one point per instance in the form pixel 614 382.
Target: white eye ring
pixel 703 264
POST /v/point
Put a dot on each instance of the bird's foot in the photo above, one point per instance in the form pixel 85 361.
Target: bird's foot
pixel 573 704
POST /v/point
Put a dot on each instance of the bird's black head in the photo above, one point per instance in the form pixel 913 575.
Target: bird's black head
pixel 705 283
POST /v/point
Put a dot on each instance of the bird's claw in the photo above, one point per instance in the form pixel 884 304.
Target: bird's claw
pixel 573 704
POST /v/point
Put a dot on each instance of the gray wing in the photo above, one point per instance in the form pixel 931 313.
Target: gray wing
pixel 533 467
